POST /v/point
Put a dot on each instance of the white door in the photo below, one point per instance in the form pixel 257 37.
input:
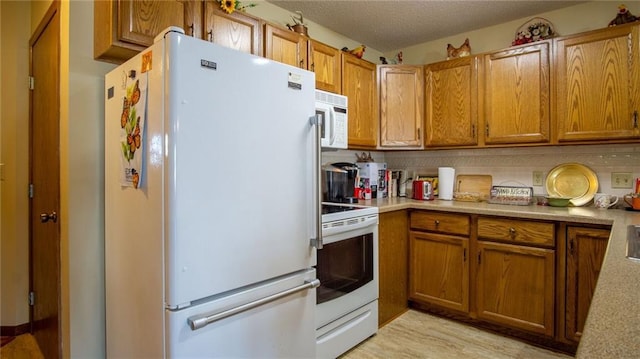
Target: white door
pixel 279 329
pixel 239 169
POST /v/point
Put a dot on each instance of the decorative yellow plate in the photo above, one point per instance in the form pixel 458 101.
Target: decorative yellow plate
pixel 572 180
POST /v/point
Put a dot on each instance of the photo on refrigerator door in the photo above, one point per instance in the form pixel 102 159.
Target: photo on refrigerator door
pixel 132 121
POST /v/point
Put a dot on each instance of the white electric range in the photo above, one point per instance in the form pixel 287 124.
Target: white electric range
pixel 347 299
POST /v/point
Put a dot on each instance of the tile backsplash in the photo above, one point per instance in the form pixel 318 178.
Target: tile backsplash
pixel 512 166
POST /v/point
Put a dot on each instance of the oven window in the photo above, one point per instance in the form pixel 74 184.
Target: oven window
pixel 344 266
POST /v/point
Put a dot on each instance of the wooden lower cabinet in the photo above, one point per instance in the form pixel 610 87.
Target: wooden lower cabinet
pixel 439 270
pixel 515 286
pixel 393 249
pixel 585 252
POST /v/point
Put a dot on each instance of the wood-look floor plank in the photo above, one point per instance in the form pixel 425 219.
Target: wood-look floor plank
pixel 419 335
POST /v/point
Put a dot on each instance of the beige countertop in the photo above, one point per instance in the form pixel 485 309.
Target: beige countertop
pixel 612 329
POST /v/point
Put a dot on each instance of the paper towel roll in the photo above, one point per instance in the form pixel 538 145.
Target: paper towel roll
pixel 446 179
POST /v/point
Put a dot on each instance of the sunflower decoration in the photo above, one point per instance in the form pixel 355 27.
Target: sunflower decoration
pixel 230 6
pixel 130 122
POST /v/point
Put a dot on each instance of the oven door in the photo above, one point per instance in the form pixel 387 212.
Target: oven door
pixel 347 267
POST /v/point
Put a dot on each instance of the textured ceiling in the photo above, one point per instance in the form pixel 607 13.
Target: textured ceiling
pixel 395 24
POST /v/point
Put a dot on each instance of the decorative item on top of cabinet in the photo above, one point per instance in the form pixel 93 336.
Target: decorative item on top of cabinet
pixel 285 46
pixel 401 96
pixel 124 28
pixel 516 94
pixel 585 252
pixel 623 16
pixel 451 103
pixel 359 85
pixel 598 85
pixel 456 52
pixel 236 30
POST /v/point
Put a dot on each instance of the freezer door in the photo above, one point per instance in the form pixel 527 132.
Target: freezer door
pixel 278 329
pixel 239 204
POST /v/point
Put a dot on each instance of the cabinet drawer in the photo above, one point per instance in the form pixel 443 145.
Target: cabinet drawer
pixel 450 223
pixel 517 231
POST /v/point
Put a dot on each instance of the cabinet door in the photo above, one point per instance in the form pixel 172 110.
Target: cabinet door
pixel 393 265
pixel 285 46
pixel 359 85
pixel 401 90
pixel 325 62
pixel 598 84
pixel 451 103
pixel 585 252
pixel 515 286
pixel 439 270
pixel 517 95
pixel 237 30
pixel 194 18
pixel 124 28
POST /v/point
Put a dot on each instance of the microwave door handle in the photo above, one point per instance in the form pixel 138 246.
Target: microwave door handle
pixel 332 123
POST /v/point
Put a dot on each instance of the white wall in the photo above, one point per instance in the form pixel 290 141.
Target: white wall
pixel 279 16
pixel 579 18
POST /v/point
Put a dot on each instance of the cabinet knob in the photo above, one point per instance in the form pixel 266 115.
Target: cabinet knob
pixel 210 33
pixel 437 222
pixel 512 231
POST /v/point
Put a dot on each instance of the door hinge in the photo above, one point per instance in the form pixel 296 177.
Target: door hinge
pixel 32 298
pixel 31 83
pixel 30 190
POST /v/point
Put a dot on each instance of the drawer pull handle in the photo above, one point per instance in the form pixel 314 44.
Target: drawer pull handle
pixel 437 222
pixel 512 231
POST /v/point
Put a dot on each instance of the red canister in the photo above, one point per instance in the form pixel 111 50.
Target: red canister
pixel 423 190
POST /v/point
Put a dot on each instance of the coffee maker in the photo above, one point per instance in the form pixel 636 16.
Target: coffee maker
pixel 339 182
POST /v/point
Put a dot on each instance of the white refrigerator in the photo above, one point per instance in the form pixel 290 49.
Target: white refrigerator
pixel 211 160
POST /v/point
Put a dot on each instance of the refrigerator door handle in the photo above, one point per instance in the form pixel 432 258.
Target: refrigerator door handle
pixel 317 122
pixel 202 320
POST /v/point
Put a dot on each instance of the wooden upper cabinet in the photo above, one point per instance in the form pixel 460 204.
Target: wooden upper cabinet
pixel 285 46
pixel 325 62
pixel 359 85
pixel 451 103
pixel 237 30
pixel 124 28
pixel 401 96
pixel 193 18
pixel 598 85
pixel 516 94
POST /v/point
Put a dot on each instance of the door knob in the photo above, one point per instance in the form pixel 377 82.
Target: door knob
pixel 53 216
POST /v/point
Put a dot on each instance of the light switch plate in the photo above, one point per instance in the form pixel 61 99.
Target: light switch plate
pixel 621 180
pixel 538 178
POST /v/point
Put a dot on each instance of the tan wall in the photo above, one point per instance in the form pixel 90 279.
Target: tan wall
pixel 579 18
pixel 279 16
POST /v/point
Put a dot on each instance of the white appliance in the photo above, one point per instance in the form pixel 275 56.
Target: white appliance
pixel 348 270
pixel 332 110
pixel 203 258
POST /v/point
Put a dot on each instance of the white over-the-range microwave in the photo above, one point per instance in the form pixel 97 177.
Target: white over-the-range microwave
pixel 332 110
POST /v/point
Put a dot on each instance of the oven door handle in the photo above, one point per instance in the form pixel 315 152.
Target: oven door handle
pixel 329 230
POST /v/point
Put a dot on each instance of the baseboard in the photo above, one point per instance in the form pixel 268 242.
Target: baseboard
pixel 14 331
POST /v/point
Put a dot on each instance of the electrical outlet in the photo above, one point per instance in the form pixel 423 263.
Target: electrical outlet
pixel 621 180
pixel 538 178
